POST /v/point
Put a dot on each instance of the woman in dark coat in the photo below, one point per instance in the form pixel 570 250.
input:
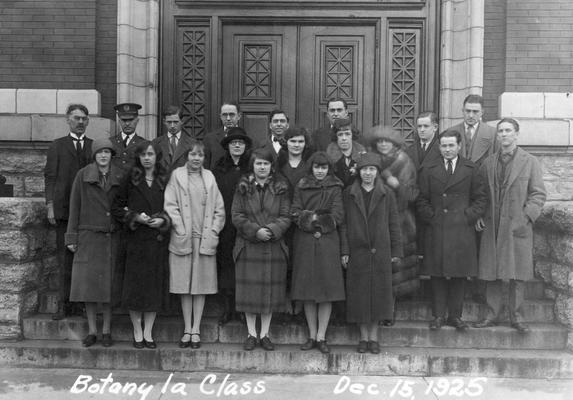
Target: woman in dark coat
pixel 370 243
pixel 228 170
pixel 139 204
pixel 345 151
pixel 93 236
pixel 291 162
pixel 317 275
pixel 260 213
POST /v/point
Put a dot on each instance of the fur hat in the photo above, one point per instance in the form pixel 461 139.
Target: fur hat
pixel 368 159
pixel 380 132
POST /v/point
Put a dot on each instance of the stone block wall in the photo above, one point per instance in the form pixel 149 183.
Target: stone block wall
pixel 27 260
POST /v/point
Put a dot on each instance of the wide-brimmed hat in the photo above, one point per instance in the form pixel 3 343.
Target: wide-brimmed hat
pixel 368 159
pixel 100 144
pixel 236 133
pixel 380 132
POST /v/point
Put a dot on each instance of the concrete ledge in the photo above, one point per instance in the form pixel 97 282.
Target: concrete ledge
pixel 536 105
pixel 47 101
pixel 542 132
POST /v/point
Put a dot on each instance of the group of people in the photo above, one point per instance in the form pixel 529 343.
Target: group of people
pixel 310 220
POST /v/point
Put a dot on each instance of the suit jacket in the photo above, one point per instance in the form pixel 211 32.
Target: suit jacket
pixel 268 144
pixel 125 156
pixel 179 158
pixel 484 142
pixel 62 165
pixel 213 149
pixel 322 137
pixel 423 158
pixel 449 206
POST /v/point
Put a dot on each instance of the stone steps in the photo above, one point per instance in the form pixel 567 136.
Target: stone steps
pixel 288 359
pixel 403 333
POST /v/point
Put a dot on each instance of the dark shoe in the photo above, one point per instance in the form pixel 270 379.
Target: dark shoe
pixel 106 340
pixel 138 345
pixel 150 344
pixel 250 343
pixel 267 344
pixel 186 344
pixel 89 340
pixel 484 323
pixel 195 344
pixel 362 346
pixel 436 323
pixel 310 344
pixel 387 322
pixel 520 327
pixel 323 347
pixel 374 347
pixel 457 323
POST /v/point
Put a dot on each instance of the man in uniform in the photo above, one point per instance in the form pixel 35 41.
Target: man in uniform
pixel 279 123
pixel 230 116
pixel 335 109
pixel 175 143
pixel 66 156
pixel 127 140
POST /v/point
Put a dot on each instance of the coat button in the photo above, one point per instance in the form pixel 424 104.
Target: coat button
pixel 445 195
pixel 373 251
pixel 317 235
pixel 445 210
pixel 107 214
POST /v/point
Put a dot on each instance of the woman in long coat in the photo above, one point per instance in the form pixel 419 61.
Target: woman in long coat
pixel 228 170
pixel 317 274
pixel 93 236
pixel 195 206
pixel 261 215
pixel 139 204
pixel 345 151
pixel 371 242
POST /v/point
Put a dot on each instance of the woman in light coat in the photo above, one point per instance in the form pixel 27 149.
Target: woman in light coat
pixel 195 206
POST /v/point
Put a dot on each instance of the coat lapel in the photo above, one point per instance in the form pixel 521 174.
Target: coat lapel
pixel 517 164
pixel 70 146
pixel 458 173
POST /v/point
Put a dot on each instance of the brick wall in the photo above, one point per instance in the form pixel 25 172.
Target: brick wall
pixel 494 56
pixel 106 54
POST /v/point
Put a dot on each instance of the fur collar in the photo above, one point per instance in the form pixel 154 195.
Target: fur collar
pixel 310 182
pixel 247 184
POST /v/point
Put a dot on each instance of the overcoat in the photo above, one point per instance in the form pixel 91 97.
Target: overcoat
pixel 371 238
pixel 93 229
pixel 146 273
pixel 346 173
pixel 260 267
pixel 227 175
pixel 317 273
pixel 509 253
pixel 484 142
pixel 178 206
pixel 422 158
pixel 449 206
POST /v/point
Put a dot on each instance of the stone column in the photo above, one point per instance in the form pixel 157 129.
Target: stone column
pixel 137 59
pixel 462 54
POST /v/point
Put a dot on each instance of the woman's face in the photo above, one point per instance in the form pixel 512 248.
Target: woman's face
pixel 261 168
pixel 344 139
pixel 195 158
pixel 368 174
pixel 103 158
pixel 237 147
pixel 148 158
pixel 384 146
pixel 319 171
pixel 295 145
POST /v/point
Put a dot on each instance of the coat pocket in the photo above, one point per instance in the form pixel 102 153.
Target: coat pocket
pixel 209 243
pixel 180 244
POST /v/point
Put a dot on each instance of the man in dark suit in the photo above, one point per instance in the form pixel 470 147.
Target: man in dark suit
pixel 230 116
pixel 175 143
pixel 450 202
pixel 479 140
pixel 426 148
pixel 127 140
pixel 336 109
pixel 66 156
pixel 278 124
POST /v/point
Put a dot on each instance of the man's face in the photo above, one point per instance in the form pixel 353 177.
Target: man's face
pixel 472 113
pixel 78 122
pixel 507 134
pixel 449 147
pixel 128 124
pixel 230 116
pixel 172 123
pixel 279 124
pixel 336 110
pixel 426 129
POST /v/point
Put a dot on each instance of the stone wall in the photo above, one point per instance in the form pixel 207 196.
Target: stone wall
pixel 27 260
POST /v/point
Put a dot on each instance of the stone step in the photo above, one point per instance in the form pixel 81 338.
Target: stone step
pixel 403 333
pixel 289 359
pixel 534 289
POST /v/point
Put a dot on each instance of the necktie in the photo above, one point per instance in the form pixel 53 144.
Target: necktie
pixel 469 132
pixel 125 141
pixel 172 145
pixel 79 148
pixel 450 168
pixel 424 146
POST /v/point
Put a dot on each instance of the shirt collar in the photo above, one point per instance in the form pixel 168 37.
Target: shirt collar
pixel 73 135
pixel 454 162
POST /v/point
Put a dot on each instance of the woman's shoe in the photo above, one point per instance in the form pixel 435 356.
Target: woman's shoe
pixel 106 340
pixel 374 347
pixel 362 346
pixel 89 340
pixel 186 344
pixel 196 344
pixel 138 345
pixel 323 347
pixel 310 344
pixel 150 344
pixel 267 344
pixel 250 343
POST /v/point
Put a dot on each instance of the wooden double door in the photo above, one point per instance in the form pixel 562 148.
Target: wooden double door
pixel 297 68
